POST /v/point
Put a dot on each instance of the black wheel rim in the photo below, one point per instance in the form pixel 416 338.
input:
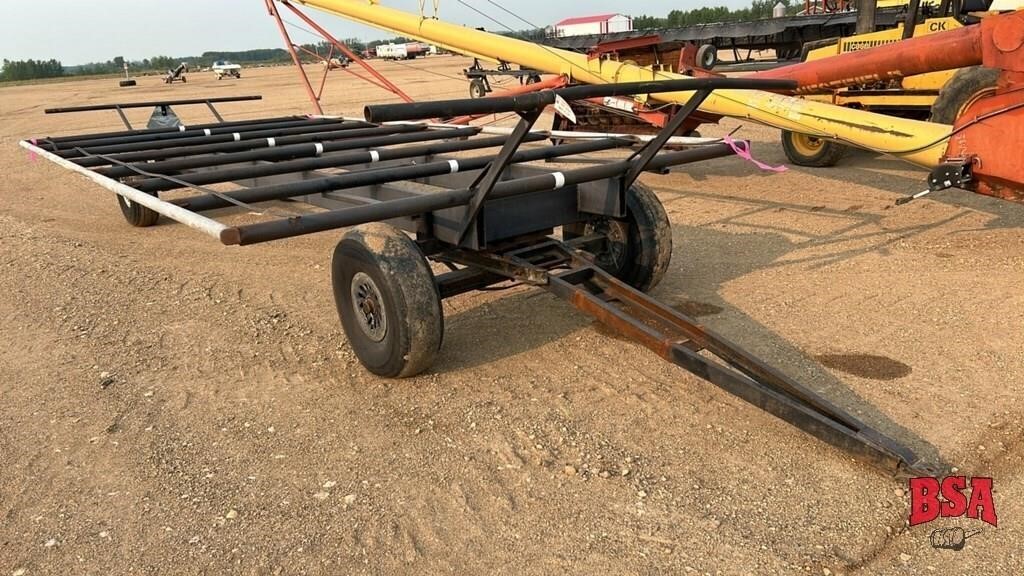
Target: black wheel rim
pixel 616 253
pixel 368 307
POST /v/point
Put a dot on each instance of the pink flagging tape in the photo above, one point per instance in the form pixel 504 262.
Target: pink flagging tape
pixel 744 152
pixel 32 156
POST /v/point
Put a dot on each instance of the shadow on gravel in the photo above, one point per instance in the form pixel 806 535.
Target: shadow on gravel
pixel 862 168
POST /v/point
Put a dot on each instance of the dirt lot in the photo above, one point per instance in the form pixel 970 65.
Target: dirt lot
pixel 170 405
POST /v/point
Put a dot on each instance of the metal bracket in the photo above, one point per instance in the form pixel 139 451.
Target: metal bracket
pixel 213 110
pixel 943 177
pixel 124 118
pixel 642 157
pixel 488 178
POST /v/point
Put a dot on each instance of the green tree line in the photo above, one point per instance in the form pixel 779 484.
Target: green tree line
pixel 36 69
pixel 31 69
pixel 709 15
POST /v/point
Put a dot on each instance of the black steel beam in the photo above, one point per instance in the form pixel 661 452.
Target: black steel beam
pixel 212 139
pixel 535 100
pixel 155 103
pixel 205 155
pixel 414 205
pixel 651 149
pixel 485 183
pixel 309 158
pixel 389 174
pixel 240 146
pixel 197 132
pixel 45 142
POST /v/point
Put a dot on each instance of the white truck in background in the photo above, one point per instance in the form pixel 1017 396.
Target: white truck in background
pixel 224 68
pixel 393 52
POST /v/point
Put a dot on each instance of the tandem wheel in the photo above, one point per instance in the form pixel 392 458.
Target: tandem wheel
pixel 387 300
pixel 136 214
pixel 639 247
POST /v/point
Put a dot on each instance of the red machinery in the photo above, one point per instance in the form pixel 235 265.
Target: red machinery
pixel 984 150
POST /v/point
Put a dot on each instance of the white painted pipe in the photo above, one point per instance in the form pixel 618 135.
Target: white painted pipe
pixel 176 213
pixel 560 134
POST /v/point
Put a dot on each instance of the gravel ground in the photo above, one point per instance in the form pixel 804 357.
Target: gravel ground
pixel 174 406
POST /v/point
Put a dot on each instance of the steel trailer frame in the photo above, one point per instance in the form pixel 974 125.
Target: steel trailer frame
pixel 490 218
pixel 163 106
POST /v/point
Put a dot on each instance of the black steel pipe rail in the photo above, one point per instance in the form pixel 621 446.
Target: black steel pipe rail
pixel 193 140
pixel 203 150
pixel 389 174
pixel 92 107
pixel 195 132
pixel 212 139
pixel 310 158
pixel 536 100
pixel 283 148
pixel 45 142
pixel 421 204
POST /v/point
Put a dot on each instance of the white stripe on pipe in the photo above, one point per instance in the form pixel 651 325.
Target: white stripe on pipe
pixel 455 166
pixel 237 136
pixel 374 156
pixel 271 142
pixel 319 148
pixel 181 128
pixel 559 179
pixel 560 134
pixel 176 213
pixel 206 132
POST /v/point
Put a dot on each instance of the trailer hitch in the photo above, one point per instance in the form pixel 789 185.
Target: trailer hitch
pixel 951 174
pixel 572 275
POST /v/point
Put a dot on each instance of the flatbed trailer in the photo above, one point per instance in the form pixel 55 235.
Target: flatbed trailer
pixel 411 194
pixel 786 36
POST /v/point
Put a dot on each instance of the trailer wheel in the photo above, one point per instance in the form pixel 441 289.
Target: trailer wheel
pixel 477 89
pixel 707 56
pixel 639 247
pixel 387 300
pixel 966 87
pixel 136 214
pixel 805 150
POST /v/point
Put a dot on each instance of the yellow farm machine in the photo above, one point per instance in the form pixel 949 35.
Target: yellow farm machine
pixel 978 151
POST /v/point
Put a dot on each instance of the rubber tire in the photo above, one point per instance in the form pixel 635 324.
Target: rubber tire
pixel 707 56
pixel 829 155
pixel 411 301
pixel 126 83
pixel 136 214
pixel 648 249
pixel 963 87
pixel 477 89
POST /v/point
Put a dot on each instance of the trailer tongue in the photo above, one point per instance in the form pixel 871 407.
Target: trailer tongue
pixel 489 218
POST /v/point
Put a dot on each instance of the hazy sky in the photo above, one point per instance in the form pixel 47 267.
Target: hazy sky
pixel 80 31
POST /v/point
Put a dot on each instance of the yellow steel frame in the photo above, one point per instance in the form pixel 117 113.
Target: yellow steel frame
pixel 921 143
